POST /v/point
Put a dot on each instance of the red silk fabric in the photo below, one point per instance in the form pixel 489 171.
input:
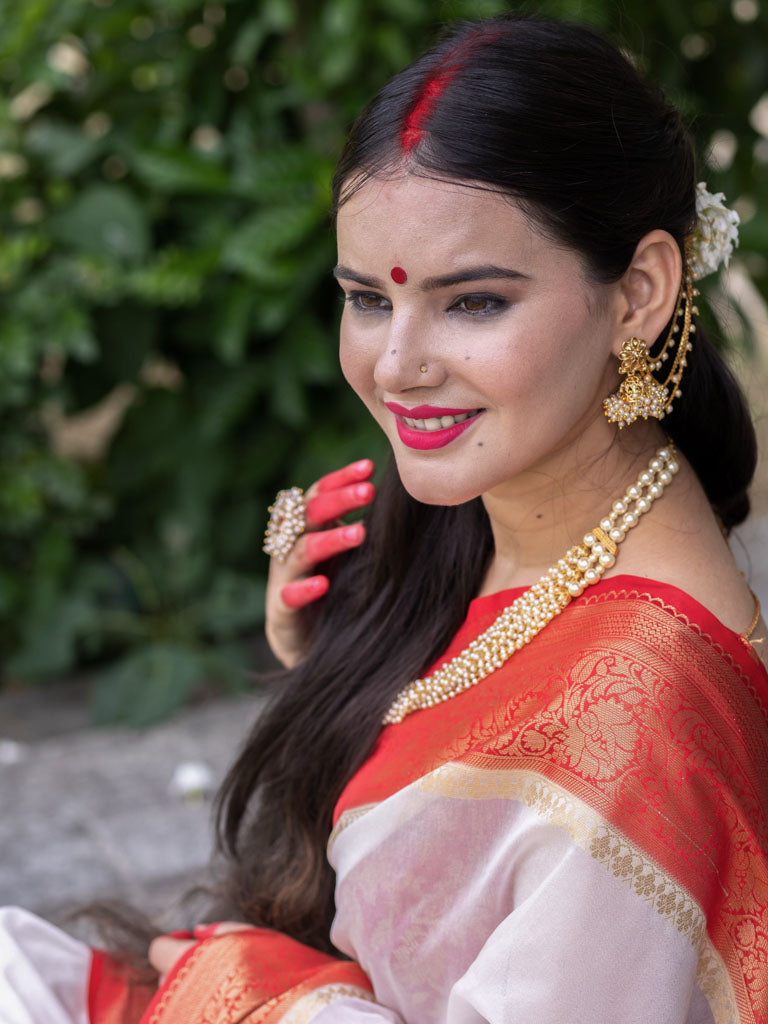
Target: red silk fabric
pixel 249 977
pixel 113 996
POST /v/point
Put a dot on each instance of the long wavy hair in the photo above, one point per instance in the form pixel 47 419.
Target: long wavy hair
pixel 555 116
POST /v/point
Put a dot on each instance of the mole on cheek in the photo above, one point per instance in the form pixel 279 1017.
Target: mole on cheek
pixel 479 444
pixel 393 352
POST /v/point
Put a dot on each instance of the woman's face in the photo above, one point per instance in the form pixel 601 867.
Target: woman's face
pixel 491 356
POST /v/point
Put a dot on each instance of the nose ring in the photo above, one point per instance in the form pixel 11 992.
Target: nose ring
pixel 423 368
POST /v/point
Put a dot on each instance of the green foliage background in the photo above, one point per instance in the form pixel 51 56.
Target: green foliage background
pixel 165 249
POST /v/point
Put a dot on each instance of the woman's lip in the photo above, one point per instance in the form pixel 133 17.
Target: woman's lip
pixel 428 440
pixel 425 412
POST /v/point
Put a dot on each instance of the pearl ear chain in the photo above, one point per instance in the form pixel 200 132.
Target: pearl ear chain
pixel 580 567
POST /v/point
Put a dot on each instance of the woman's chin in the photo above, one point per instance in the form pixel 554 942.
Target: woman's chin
pixel 434 491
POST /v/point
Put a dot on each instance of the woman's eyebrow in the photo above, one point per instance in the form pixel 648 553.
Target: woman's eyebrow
pixel 352 275
pixel 483 272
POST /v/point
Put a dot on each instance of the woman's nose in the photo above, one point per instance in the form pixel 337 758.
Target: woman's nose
pixel 405 360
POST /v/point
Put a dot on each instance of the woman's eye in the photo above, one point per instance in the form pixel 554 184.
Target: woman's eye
pixel 479 304
pixel 368 301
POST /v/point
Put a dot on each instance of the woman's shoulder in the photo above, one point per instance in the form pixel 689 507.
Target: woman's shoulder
pixel 684 546
pixel 620 607
pixel 633 671
pixel 634 611
pixel 628 646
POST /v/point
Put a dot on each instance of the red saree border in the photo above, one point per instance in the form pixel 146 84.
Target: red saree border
pixel 112 997
pixel 252 976
pixel 347 976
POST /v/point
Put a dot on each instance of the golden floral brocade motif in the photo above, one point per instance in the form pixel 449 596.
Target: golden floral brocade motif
pixel 251 977
pixel 310 1005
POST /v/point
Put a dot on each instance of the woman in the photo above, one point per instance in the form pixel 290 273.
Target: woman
pixel 564 818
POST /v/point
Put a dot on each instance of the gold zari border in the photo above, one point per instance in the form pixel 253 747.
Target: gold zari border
pixel 310 1005
pixel 348 818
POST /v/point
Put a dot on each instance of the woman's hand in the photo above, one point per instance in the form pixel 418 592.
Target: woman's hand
pixel 166 950
pixel 291 585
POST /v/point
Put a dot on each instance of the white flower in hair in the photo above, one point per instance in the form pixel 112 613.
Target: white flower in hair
pixel 715 235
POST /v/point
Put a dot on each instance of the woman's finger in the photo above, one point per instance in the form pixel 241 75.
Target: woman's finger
pixel 317 547
pixel 165 951
pixel 325 506
pixel 206 931
pixel 350 474
pixel 304 592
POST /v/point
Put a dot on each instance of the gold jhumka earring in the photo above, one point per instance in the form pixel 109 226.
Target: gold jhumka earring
pixel 642 394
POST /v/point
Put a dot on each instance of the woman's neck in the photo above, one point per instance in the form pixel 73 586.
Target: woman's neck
pixel 543 512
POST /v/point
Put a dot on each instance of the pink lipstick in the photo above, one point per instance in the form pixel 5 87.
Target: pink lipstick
pixel 428 440
pixel 425 412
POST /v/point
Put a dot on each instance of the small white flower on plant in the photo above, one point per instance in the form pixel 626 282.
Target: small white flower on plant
pixel 192 780
pixel 12 752
pixel 715 235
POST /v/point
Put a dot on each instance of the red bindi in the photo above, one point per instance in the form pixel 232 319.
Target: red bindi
pixel 398 275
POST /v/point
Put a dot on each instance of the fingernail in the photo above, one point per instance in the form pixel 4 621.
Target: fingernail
pixel 352 534
pixel 363 465
pixel 180 933
pixel 363 491
pixel 205 931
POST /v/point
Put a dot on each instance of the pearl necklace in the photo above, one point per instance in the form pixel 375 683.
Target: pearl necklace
pixel 519 623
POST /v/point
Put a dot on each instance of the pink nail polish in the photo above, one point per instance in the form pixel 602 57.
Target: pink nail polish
pixel 351 534
pixel 362 491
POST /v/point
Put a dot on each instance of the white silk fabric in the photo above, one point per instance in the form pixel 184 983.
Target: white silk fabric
pixel 43 972
pixel 481 897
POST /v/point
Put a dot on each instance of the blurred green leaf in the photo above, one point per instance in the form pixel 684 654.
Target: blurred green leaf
pixel 234 604
pixel 17 254
pixel 49 641
pixel 233 324
pixel 252 248
pixel 64 150
pixel 107 220
pixel 166 674
pixel 176 277
pixel 179 172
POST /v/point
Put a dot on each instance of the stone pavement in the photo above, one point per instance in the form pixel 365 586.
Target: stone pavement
pixel 95 813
